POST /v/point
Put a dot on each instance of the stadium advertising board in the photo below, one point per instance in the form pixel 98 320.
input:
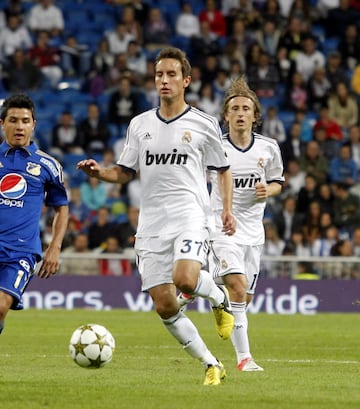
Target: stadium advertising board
pixel 274 296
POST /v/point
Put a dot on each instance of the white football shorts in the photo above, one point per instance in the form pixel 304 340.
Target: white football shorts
pixel 228 257
pixel 155 256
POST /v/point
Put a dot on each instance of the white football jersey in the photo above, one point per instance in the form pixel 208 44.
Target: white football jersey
pixel 172 157
pixel 260 162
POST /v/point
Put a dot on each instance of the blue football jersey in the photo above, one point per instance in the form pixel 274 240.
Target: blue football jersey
pixel 28 179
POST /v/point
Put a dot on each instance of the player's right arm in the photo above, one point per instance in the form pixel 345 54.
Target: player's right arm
pixel 116 174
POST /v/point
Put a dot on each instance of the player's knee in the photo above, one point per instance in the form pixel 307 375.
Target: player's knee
pixel 2 324
pixel 5 303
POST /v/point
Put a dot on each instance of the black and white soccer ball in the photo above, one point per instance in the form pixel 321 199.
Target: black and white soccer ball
pixel 91 346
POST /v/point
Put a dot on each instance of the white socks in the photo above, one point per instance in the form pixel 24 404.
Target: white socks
pixel 207 288
pixel 182 328
pixel 239 336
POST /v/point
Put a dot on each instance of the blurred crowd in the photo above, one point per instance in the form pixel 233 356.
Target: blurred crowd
pixel 89 68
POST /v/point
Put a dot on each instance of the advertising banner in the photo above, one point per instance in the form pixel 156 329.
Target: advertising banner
pixel 273 296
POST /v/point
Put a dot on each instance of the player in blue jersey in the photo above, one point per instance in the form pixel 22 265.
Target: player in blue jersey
pixel 172 146
pixel 28 179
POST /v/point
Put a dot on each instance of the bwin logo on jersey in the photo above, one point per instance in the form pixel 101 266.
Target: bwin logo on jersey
pixel 12 186
pixel 173 158
pixel 246 182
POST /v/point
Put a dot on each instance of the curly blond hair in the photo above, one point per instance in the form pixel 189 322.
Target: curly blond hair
pixel 240 88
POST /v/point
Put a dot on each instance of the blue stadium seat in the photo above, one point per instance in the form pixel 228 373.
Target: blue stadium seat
pixel 69 162
pixel 287 117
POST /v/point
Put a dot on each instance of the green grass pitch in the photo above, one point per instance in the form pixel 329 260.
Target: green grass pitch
pixel 310 362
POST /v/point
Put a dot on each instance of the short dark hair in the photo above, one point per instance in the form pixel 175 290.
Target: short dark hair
pixel 17 101
pixel 176 54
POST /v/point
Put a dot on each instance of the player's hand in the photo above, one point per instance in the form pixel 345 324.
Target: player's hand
pixel 261 191
pixel 89 166
pixel 49 264
pixel 229 223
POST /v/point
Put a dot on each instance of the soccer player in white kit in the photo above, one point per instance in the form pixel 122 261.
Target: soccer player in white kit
pixel 173 146
pixel 257 172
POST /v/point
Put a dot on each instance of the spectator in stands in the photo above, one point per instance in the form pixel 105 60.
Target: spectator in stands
pixel 149 97
pixel 299 244
pixel 213 15
pixel 116 202
pixel 204 44
pixel 243 38
pixel 209 101
pixel 355 238
pixel 311 227
pixel 114 266
pixel 75 57
pixel 326 199
pixel 285 66
pixel 346 208
pixel 273 246
pixel 343 108
pixel 13 37
pixel 297 93
pixel 78 209
pixel 331 128
pixel 20 74
pixel 307 194
pixel 132 24
pixel 119 69
pixel 339 18
pixel 264 77
pixel 157 31
pixel 46 16
pixel 100 229
pixel 93 132
pixel 119 39
pixel 93 193
pixel 221 83
pixel 295 177
pixel 328 147
pixel 123 104
pixel 268 37
pixel 292 148
pixel 335 71
pixel 230 56
pixel 287 219
pixel 80 265
pixel 196 80
pixel 319 88
pixel 64 138
pixel 210 68
pixel 343 168
pixel 136 62
pixel 314 163
pixel 187 23
pixel 271 12
pixel 301 9
pixel 322 245
pixel 354 140
pixel 343 270
pixel 349 47
pixel 306 123
pixel 292 37
pixel 102 58
pixel 15 7
pixel 47 58
pixel 273 126
pixel 126 231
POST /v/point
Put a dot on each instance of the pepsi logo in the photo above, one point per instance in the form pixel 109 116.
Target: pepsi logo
pixel 12 186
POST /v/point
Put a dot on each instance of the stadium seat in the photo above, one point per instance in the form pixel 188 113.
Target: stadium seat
pixel 287 117
pixel 70 161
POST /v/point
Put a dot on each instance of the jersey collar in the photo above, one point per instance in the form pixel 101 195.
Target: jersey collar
pixel 167 121
pixel 240 149
pixel 5 149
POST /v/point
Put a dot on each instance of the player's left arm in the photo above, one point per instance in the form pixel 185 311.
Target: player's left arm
pixel 225 183
pixel 51 259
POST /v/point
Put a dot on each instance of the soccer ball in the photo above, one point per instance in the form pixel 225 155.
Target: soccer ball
pixel 91 346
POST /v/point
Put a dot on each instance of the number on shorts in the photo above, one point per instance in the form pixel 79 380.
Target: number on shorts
pixel 18 278
pixel 188 244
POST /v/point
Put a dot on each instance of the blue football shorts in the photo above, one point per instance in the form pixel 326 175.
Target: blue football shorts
pixel 16 271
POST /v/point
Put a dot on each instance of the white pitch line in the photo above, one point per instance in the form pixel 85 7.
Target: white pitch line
pixel 306 361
